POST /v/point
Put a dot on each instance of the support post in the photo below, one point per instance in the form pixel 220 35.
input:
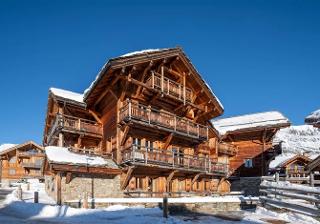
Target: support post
pixel 19 192
pixel 36 197
pixel 165 206
pixel 311 179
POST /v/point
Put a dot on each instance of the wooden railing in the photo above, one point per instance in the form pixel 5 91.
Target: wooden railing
pixel 169 87
pixel 137 154
pixel 31 165
pixel 30 154
pixel 71 123
pixel 136 112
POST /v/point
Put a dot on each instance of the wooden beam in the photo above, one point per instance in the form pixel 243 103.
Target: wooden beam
pixel 195 178
pixel 168 141
pixel 169 178
pixel 125 134
pixel 58 188
pixel 95 116
pixel 68 177
pixel 144 73
pixel 127 178
pixel 107 90
pixel 123 93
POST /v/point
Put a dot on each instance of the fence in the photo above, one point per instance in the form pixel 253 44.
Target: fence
pixel 293 197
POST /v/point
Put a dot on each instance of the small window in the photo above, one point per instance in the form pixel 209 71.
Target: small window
pixel 13 159
pixel 248 163
pixel 149 145
pixel 12 172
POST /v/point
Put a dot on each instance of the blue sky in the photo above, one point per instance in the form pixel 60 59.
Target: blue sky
pixel 257 55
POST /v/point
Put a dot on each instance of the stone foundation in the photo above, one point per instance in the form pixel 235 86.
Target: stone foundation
pixel 248 185
pixel 96 186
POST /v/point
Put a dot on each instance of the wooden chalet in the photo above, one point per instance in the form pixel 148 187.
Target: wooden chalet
pixel 252 136
pixel 313 119
pixel 293 165
pixel 21 161
pixel 314 166
pixel 149 112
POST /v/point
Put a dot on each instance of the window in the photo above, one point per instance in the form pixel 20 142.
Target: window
pixel 149 146
pixel 137 143
pixel 12 171
pixel 13 159
pixel 248 163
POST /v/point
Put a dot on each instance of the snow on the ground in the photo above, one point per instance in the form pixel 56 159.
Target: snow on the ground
pixel 264 119
pixel 299 139
pixel 28 212
pixel 65 156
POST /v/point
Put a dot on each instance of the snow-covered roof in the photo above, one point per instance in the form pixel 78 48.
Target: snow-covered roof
pixel 5 147
pixel 285 157
pixel 313 118
pixel 298 139
pixel 142 52
pixel 249 121
pixel 66 94
pixel 62 155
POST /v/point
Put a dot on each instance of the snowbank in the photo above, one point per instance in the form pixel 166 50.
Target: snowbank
pixel 299 139
pixel 265 119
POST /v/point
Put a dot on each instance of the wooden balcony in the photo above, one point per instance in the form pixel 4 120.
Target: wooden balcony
pixel 227 149
pixel 31 165
pixel 170 87
pixel 163 120
pixel 168 159
pixel 30 154
pixel 72 124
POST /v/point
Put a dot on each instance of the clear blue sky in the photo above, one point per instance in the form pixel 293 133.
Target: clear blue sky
pixel 257 55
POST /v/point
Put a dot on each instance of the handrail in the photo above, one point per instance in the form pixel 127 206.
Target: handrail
pixel 162 118
pixel 74 123
pixel 169 87
pixel 153 156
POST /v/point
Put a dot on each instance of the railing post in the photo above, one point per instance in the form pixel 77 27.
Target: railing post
pixel 129 109
pixel 311 179
pixel 198 130
pixel 152 79
pixel 173 158
pixel 133 153
pixel 175 123
pixel 146 160
pixel 162 78
pixel 149 114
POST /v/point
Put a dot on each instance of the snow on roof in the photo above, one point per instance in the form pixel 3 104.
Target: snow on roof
pixel 299 139
pixel 6 146
pixel 62 155
pixel 314 117
pixel 284 157
pixel 66 94
pixel 265 119
pixel 142 52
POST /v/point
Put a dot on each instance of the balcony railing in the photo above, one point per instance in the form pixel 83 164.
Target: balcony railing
pixel 32 165
pixel 70 123
pixel 30 154
pixel 169 87
pixel 141 155
pixel 137 112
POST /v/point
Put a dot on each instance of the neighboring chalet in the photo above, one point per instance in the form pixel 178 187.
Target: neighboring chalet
pixel 292 165
pixel 22 161
pixel 142 128
pixel 252 134
pixel 313 119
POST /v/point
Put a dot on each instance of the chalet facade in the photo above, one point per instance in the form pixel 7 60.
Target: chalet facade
pixel 147 118
pixel 21 161
pixel 292 165
pixel 252 135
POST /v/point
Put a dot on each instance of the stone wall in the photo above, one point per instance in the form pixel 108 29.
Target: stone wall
pixel 97 186
pixel 248 185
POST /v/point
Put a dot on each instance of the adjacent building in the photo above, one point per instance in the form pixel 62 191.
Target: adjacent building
pixel 21 161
